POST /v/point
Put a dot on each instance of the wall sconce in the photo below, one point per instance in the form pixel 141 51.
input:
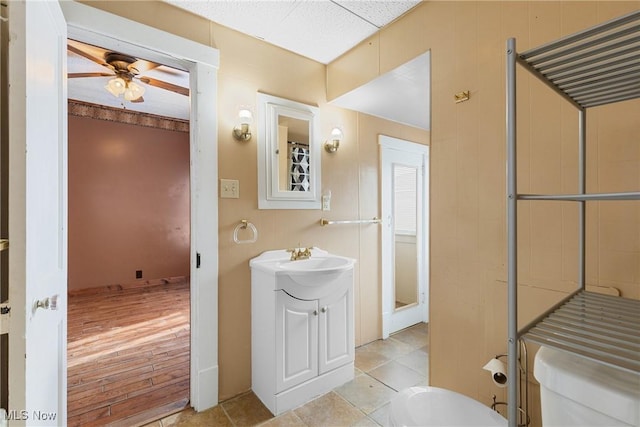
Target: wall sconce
pixel 242 131
pixel 332 145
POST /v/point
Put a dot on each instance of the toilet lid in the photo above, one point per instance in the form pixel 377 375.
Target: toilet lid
pixel 433 406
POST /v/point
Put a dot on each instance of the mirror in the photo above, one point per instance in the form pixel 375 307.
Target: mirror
pixel 404 193
pixel 405 204
pixel 288 154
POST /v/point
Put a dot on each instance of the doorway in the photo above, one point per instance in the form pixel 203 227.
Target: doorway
pixel 96 27
pixel 405 198
pixel 128 341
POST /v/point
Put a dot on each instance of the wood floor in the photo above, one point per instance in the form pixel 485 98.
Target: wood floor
pixel 128 353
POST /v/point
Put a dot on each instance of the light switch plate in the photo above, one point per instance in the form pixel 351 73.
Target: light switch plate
pixel 229 189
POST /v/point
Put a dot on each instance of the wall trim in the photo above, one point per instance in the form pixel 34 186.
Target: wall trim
pixel 111 114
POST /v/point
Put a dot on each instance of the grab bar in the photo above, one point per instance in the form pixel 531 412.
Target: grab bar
pixel 375 220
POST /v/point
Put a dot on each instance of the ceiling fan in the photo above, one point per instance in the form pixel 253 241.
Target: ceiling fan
pixel 124 69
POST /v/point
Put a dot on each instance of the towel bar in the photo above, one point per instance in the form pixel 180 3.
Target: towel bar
pixel 375 220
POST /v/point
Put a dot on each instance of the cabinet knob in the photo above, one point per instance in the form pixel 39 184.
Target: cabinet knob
pixel 323 309
pixel 315 312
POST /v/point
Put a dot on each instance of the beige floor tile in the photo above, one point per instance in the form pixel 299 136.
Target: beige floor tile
pixel 365 422
pixel 413 337
pixel 368 360
pixel 381 415
pixel 417 360
pixel 366 393
pixel 329 410
pixel 423 327
pixel 189 418
pixel 246 410
pixel 390 348
pixel 396 375
pixel 288 419
pixel 376 377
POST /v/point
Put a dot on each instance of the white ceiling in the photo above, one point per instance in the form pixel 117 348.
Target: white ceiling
pixel 156 101
pixel 401 95
pixel 318 29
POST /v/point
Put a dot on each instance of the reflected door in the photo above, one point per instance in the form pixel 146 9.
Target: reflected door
pixel 404 236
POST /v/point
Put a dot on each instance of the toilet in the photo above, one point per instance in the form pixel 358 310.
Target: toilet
pixel 437 407
pixel 575 391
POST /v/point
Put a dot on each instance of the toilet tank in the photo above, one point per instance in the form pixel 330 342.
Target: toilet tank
pixel 575 391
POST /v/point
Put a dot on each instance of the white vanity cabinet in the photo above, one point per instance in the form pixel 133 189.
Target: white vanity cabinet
pixel 302 334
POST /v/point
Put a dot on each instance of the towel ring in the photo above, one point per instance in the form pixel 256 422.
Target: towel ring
pixel 244 224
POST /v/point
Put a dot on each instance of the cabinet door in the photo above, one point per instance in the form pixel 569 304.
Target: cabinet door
pixel 296 340
pixel 336 340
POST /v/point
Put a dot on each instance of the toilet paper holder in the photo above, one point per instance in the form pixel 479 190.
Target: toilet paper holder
pixel 498 370
pixel 499 377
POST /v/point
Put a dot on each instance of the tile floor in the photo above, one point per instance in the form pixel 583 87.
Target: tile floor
pixel 383 368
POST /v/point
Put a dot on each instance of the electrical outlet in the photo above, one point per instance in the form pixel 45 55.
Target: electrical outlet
pixel 229 189
pixel 138 274
pixel 326 203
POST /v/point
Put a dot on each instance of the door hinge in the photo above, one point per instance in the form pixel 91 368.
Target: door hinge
pixel 197 260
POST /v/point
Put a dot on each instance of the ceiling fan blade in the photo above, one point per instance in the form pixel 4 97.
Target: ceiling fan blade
pixel 76 75
pixel 86 55
pixel 138 99
pixel 164 85
pixel 142 65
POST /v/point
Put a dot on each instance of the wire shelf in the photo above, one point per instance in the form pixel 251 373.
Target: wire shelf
pixel 594 67
pixel 599 327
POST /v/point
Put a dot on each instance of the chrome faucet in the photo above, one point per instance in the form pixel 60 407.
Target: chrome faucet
pixel 299 253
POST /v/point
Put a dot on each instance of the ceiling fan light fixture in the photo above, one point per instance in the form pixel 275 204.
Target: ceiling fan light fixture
pixel 116 87
pixel 133 91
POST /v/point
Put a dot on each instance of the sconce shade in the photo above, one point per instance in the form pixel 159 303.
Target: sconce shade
pixel 242 131
pixel 332 145
pixel 245 116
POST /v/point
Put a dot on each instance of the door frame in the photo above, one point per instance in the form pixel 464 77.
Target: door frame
pixel 94 26
pixel 388 145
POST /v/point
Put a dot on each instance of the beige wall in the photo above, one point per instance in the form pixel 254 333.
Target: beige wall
pixel 468 240
pixel 468 296
pixel 248 65
pixel 128 203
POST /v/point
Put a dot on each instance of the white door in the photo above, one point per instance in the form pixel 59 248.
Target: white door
pixel 405 234
pixel 37 212
pixel 336 339
pixel 296 340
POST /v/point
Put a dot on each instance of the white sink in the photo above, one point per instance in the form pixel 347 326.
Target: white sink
pixel 315 271
pixel 319 271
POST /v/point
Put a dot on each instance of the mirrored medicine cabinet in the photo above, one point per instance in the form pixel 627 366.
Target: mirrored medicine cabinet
pixel 289 173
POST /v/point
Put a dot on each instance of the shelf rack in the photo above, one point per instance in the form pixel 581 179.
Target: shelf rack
pixel 597 66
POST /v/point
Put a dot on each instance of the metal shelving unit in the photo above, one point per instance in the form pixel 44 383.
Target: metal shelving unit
pixel 597 66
